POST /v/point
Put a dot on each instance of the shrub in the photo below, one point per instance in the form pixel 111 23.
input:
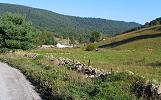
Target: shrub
pixel 95 36
pixel 4 50
pixel 137 88
pixel 91 47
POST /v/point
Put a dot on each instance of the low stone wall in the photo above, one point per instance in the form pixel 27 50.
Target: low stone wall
pixel 88 71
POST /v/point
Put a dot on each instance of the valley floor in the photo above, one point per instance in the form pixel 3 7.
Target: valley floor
pixel 143 62
pixel 131 68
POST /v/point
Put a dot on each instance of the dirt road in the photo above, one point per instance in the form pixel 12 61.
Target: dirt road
pixel 14 86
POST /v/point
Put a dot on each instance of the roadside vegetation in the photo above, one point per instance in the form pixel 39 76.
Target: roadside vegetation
pixel 56 82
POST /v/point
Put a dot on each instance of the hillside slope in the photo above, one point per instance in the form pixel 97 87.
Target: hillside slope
pixel 152 23
pixel 68 25
pixel 146 37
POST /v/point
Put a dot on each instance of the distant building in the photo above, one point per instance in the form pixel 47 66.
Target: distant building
pixel 63 46
pixel 46 46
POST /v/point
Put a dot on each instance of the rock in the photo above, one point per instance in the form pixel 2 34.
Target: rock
pixel 159 89
pixel 103 76
pixel 159 97
pixel 79 67
pixel 98 73
pixel 148 91
pixel 109 73
pixel 90 67
pixel 83 69
pixel 93 72
pixel 31 55
pixel 130 72
pixel 56 61
pixel 87 71
pixel 46 46
pixel 61 63
pixel 91 76
pixel 151 91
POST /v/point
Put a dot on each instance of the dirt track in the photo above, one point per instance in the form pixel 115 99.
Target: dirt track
pixel 14 86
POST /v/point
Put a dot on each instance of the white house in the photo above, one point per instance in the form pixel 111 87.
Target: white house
pixel 63 46
pixel 46 46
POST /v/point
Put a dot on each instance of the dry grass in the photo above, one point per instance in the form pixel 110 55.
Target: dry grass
pixel 150 30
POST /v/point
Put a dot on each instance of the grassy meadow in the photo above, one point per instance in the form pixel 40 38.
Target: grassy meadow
pixel 141 62
pixel 144 31
pixel 142 57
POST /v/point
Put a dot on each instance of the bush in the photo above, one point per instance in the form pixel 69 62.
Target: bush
pixel 95 36
pixel 137 88
pixel 4 50
pixel 91 47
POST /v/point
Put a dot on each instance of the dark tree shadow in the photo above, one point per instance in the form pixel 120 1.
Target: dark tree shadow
pixel 155 64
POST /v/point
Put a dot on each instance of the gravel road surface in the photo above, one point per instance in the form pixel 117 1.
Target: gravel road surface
pixel 14 86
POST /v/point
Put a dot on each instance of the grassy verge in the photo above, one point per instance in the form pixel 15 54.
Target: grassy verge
pixel 59 83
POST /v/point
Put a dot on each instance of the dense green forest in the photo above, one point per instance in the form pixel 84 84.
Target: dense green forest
pixel 157 21
pixel 68 25
pixel 154 22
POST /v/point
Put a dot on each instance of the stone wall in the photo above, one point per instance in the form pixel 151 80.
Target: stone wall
pixel 86 70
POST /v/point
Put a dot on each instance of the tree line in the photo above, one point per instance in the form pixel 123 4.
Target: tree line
pixel 155 22
pixel 16 32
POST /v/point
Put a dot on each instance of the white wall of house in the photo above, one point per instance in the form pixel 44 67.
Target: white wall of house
pixel 63 46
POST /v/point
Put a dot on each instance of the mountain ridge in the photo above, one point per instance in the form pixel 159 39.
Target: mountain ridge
pixel 68 25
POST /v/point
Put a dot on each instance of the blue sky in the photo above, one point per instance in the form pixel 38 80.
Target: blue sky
pixel 139 11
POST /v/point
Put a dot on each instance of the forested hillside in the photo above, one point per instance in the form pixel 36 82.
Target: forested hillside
pixel 154 22
pixel 68 25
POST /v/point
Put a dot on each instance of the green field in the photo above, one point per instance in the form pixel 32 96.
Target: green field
pixel 57 82
pixel 144 31
pixel 142 57
pixel 137 61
